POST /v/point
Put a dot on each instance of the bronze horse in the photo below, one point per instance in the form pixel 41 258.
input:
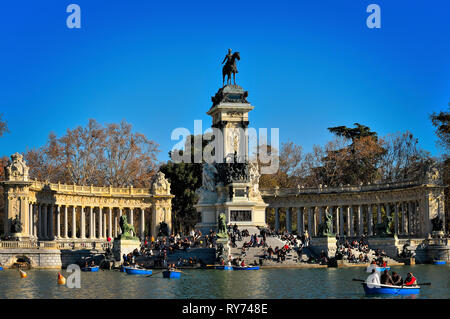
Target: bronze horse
pixel 230 67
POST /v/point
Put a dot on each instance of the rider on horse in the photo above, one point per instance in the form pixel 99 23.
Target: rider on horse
pixel 228 60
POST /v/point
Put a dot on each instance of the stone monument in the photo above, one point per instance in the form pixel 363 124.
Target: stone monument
pixel 126 241
pixel 16 191
pixel 230 183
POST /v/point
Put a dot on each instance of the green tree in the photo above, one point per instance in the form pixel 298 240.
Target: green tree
pixel 185 179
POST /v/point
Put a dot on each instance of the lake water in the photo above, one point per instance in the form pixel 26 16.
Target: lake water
pixel 264 283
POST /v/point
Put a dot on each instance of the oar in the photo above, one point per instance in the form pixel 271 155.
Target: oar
pixel 361 280
pixel 154 273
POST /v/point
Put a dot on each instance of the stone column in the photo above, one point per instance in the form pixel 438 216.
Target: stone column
pixel 131 221
pixel 94 223
pixel 83 223
pixel 45 233
pixel 369 220
pixel 360 221
pixel 379 213
pixel 396 218
pixel 74 222
pixel 58 221
pixel 110 222
pixel 410 224
pixel 277 220
pixel 115 223
pixel 320 215
pixel 35 220
pixel 352 224
pixel 347 213
pixel 299 221
pixel 310 221
pixel 105 223
pixel 100 224
pixel 403 220
pixel 341 221
pixel 288 219
pixel 66 223
pixel 50 217
pixel 142 223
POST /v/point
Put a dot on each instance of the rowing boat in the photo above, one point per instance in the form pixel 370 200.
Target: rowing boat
pixel 376 289
pixel 439 262
pixel 171 274
pixel 224 267
pixel 245 267
pixel 379 269
pixel 137 271
pixel 91 269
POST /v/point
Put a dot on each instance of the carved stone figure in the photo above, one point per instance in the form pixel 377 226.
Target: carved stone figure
pixel 230 67
pixel 221 226
pixel 161 185
pixel 325 228
pixel 128 231
pixel 17 169
pixel 254 180
pixel 384 229
pixel 16 225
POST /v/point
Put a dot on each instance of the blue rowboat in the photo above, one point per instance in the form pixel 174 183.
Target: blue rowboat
pixel 91 269
pixel 171 274
pixel 391 290
pixel 439 262
pixel 246 268
pixel 1 268
pixel 224 267
pixel 137 271
pixel 381 269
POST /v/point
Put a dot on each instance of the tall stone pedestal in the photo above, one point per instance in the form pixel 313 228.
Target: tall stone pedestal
pixel 124 246
pixel 226 247
pixel 327 244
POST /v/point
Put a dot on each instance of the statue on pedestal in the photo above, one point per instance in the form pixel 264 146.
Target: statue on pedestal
pixel 230 67
pixel 325 228
pixel 128 231
pixel 384 229
pixel 221 226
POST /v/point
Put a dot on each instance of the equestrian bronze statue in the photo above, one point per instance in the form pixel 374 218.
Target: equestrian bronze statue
pixel 230 67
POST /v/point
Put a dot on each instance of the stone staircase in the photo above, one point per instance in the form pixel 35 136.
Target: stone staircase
pixel 255 253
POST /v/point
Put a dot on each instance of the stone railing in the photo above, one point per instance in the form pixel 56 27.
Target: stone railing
pixel 323 189
pixel 89 190
pixel 18 245
pixel 66 245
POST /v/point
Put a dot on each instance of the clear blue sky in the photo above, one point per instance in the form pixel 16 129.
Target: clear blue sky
pixel 307 65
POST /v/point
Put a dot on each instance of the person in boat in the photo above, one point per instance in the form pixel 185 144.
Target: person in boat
pixel 410 280
pixel 242 263
pixel 386 279
pixel 397 279
pixel 373 278
pixel 92 263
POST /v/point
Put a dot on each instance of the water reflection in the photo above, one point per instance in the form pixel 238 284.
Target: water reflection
pixel 269 283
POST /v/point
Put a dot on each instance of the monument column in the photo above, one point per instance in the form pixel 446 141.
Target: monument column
pixel 379 213
pixel 410 225
pixel 51 222
pixel 100 223
pixel 320 215
pixel 35 220
pixel 288 220
pixel 58 221
pixel 110 222
pixel 347 213
pixel 131 221
pixel 341 221
pixel 83 223
pixel 299 222
pixel 369 219
pixel 360 221
pixel 142 224
pixel 277 220
pixel 45 233
pixel 396 218
pixel 66 224
pixel 310 221
pixel 74 222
